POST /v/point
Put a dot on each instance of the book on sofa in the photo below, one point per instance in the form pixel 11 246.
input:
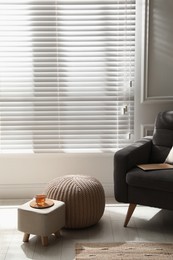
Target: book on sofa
pixel 155 166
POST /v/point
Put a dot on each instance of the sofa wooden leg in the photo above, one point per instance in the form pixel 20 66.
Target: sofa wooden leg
pixel 129 214
pixel 44 240
pixel 26 237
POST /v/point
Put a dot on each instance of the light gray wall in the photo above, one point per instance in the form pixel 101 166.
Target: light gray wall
pixel 23 176
pixel 154 62
pixel 160 67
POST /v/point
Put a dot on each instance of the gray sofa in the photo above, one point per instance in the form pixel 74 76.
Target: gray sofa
pixel 150 188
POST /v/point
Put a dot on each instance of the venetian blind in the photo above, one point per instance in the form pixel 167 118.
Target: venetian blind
pixel 66 75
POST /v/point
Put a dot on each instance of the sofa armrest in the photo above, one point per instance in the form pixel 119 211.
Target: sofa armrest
pixel 125 159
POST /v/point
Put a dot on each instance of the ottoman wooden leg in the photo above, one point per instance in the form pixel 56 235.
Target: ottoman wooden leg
pixel 44 241
pixel 26 237
pixel 57 234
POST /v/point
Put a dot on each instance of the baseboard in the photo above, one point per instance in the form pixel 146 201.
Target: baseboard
pixel 22 191
pixel 109 189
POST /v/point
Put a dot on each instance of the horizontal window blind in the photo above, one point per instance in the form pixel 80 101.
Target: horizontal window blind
pixel 66 75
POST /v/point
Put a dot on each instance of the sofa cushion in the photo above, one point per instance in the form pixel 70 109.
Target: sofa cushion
pixel 162 136
pixel 155 180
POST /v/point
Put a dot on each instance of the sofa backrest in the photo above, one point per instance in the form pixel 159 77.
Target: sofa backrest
pixel 162 136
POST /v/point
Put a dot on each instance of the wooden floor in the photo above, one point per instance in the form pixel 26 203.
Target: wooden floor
pixel 147 224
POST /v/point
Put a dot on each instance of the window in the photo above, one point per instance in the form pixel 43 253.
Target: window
pixel 66 75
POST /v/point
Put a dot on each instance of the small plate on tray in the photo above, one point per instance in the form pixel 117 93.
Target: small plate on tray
pixel 48 203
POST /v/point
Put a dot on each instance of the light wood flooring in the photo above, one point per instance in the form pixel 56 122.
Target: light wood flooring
pixel 147 224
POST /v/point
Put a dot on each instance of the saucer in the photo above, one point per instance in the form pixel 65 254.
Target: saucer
pixel 48 203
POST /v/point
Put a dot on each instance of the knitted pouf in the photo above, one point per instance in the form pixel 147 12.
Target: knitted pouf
pixel 83 196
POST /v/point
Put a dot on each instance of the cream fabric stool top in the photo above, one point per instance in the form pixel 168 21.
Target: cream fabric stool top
pixel 42 222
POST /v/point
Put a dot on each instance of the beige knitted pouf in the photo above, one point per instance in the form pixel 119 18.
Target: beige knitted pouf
pixel 83 196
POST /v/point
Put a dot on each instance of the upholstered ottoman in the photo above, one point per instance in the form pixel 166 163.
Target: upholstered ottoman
pixel 83 196
pixel 42 222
